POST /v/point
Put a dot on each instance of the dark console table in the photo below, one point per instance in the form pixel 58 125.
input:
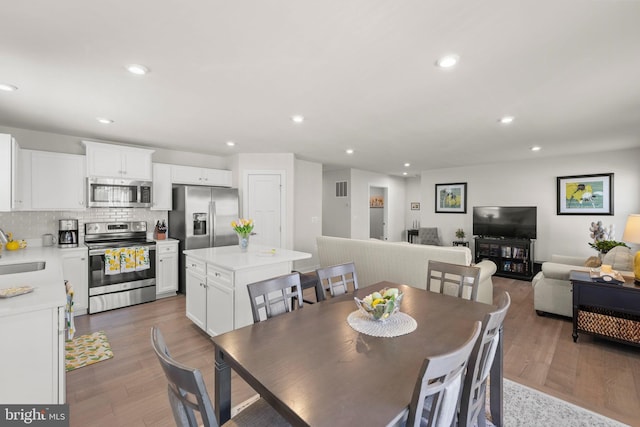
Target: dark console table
pixel 411 233
pixel 606 310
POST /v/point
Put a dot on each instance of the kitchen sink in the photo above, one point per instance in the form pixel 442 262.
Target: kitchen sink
pixel 23 267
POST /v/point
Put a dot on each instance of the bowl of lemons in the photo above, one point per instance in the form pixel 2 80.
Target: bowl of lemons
pixel 380 305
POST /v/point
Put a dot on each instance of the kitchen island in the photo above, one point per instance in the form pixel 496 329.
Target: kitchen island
pixel 217 279
pixel 32 327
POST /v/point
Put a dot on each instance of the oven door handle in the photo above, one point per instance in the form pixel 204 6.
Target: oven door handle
pixel 102 251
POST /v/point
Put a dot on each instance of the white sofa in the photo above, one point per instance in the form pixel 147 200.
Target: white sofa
pixel 552 288
pixel 399 262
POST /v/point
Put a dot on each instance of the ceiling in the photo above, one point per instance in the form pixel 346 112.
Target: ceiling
pixel 361 72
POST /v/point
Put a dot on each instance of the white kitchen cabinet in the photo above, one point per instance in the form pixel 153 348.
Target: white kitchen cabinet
pixel 75 269
pixel 200 176
pixel 22 195
pixel 162 184
pixel 118 161
pixel 32 357
pixel 9 150
pixel 196 289
pixel 166 268
pixel 57 181
pixel 220 300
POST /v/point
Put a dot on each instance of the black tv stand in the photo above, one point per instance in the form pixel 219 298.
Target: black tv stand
pixel 513 257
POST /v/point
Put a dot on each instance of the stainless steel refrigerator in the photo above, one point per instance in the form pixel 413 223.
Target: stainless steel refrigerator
pixel 201 218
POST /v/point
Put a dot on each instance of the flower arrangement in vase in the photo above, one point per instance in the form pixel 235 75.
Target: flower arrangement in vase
pixel 243 227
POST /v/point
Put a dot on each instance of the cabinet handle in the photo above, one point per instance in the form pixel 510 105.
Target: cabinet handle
pixel 217 274
pixel 81 259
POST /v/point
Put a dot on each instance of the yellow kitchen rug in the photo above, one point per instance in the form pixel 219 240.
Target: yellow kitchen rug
pixel 87 350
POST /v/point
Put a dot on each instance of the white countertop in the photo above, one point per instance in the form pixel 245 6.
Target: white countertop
pixel 230 257
pixel 48 284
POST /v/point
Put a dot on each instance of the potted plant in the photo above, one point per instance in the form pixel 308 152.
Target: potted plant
pixel 604 246
pixel 460 233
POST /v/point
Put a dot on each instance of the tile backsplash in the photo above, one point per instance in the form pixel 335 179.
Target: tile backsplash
pixel 33 224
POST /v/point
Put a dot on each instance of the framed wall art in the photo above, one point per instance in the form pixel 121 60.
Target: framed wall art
pixel 451 198
pixel 415 206
pixel 376 202
pixel 585 194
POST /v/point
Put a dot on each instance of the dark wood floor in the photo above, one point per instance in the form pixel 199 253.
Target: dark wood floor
pixel 130 390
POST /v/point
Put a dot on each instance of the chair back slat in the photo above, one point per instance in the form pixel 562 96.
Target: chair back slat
pixel 453 279
pixel 274 296
pixel 436 393
pixel 338 278
pixel 186 388
pixel 474 388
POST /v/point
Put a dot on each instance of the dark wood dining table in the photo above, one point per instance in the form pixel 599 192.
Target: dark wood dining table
pixel 315 370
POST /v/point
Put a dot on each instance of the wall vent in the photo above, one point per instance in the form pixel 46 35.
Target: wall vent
pixel 341 189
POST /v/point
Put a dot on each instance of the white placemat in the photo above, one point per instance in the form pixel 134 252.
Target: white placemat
pixel 396 325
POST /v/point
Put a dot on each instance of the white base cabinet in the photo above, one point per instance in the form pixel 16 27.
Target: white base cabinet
pixel 217 298
pixel 32 357
pixel 75 267
pixel 166 268
pixel 196 289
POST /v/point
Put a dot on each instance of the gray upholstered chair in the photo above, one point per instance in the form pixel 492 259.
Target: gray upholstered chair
pixel 336 278
pixel 435 396
pixel 429 236
pixel 453 279
pixel 472 402
pixel 274 296
pixel 188 395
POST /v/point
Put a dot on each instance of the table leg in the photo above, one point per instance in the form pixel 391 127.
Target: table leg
pixel 495 386
pixel 222 385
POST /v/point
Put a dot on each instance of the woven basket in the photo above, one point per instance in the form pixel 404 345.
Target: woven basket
pixel 609 323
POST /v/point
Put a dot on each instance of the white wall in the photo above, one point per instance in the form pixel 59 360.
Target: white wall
pixel 361 181
pixel 307 211
pixel 241 164
pixel 46 141
pixel 336 211
pixel 412 190
pixel 533 183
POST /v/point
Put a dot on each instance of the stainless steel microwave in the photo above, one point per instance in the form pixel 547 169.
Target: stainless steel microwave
pixel 118 193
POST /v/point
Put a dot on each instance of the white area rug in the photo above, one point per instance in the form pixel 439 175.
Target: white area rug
pixel 526 407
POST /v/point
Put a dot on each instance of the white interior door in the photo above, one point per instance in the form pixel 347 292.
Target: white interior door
pixel 264 206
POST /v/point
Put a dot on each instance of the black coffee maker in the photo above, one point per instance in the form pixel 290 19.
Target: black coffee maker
pixel 68 233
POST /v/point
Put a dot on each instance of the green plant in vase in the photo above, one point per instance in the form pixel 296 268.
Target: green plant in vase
pixel 460 233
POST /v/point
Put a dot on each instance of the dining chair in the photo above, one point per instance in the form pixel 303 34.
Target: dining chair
pixel 336 278
pixel 436 392
pixel 309 281
pixel 454 279
pixel 472 403
pixel 188 395
pixel 274 296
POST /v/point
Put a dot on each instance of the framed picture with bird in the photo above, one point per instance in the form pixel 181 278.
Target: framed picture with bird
pixel 451 198
pixel 585 194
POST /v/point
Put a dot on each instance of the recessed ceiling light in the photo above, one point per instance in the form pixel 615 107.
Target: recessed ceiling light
pixel 7 87
pixel 104 120
pixel 349 151
pixel 297 118
pixel 405 173
pixel 138 69
pixel 506 120
pixel 536 148
pixel 448 61
pixel 230 143
pixel 406 165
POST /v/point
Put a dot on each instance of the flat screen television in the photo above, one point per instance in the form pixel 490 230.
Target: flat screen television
pixel 513 222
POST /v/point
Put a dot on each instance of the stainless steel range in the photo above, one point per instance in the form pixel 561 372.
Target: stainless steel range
pixel 122 265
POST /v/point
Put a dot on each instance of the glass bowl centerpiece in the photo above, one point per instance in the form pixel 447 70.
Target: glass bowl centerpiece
pixel 380 305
